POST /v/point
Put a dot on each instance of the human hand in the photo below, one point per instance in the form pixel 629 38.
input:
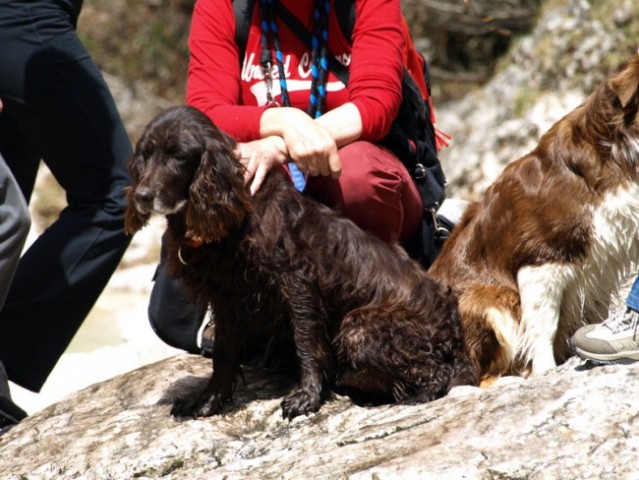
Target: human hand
pixel 309 144
pixel 259 157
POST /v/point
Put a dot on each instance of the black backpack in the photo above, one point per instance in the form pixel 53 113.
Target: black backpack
pixel 412 134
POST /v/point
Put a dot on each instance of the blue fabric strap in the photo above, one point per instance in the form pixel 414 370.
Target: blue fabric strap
pixel 319 66
pixel 299 179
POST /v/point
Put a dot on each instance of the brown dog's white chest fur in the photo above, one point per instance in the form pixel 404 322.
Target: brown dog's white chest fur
pixel 542 252
pixel 557 298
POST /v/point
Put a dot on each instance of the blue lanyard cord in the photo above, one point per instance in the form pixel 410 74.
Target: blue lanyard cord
pixel 270 30
pixel 319 61
pixel 266 57
pixel 319 65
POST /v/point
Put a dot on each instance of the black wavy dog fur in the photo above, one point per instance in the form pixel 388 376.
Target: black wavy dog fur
pixel 362 318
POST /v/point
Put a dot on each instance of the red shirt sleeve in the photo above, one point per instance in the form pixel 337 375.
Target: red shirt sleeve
pixel 375 70
pixel 376 67
pixel 213 81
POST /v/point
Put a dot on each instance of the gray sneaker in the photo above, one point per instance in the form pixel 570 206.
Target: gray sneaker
pixel 614 341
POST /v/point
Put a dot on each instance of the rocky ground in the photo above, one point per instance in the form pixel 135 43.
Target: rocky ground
pixel 574 423
pixel 546 74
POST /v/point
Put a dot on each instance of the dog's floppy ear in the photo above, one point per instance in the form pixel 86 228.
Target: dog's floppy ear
pixel 218 198
pixel 626 82
pixel 133 220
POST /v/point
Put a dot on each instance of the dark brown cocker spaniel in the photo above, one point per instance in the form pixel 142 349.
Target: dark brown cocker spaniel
pixel 361 316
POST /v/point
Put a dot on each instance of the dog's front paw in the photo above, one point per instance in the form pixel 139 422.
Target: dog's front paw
pixel 300 402
pixel 200 406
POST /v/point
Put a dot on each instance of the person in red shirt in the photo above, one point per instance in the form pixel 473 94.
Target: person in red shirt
pixel 338 150
pixel 261 97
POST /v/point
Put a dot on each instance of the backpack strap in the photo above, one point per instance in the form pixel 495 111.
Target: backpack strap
pixel 345 12
pixel 300 30
pixel 243 12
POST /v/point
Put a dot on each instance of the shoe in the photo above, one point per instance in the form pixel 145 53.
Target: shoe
pixel 10 413
pixel 206 335
pixel 614 341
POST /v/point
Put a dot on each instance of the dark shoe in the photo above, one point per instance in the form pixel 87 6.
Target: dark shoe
pixel 10 413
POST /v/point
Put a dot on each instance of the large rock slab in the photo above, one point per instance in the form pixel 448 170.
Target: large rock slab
pixel 572 423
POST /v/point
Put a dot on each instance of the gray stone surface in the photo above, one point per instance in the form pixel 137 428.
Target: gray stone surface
pixel 572 423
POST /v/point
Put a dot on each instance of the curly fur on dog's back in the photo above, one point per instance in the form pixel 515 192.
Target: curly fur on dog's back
pixel 362 317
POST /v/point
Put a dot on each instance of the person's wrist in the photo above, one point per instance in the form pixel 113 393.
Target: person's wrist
pixel 279 146
pixel 274 121
pixel 271 122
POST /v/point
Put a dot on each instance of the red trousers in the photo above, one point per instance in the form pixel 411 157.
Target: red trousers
pixel 374 190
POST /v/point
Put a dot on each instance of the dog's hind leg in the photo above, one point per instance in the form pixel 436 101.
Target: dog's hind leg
pixel 392 353
pixel 542 291
pixel 364 352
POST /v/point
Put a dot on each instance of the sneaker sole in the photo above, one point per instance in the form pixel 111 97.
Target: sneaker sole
pixel 619 358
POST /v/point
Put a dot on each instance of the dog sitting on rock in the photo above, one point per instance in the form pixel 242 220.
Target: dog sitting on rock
pixel 362 317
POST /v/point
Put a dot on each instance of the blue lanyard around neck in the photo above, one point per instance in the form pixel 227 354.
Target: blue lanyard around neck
pixel 319 67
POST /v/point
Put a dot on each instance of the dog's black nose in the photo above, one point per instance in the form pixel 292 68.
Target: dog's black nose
pixel 144 198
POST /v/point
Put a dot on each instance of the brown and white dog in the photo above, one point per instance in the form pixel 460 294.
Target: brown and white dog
pixel 541 253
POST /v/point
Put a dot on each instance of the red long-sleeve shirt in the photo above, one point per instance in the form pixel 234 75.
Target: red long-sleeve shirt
pixel 234 95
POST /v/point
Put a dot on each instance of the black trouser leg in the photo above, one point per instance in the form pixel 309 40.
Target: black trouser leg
pixel 58 108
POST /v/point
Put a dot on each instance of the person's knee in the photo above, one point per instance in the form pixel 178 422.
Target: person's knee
pixel 173 317
pixel 372 190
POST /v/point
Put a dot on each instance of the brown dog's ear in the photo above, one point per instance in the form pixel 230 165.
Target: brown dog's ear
pixel 218 198
pixel 133 220
pixel 626 82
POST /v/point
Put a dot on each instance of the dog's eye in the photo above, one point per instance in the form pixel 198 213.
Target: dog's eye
pixel 174 153
pixel 179 159
pixel 177 162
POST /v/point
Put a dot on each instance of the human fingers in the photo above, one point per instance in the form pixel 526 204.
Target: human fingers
pixel 326 165
pixel 335 165
pixel 312 153
pixel 258 178
pixel 315 167
pixel 249 162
